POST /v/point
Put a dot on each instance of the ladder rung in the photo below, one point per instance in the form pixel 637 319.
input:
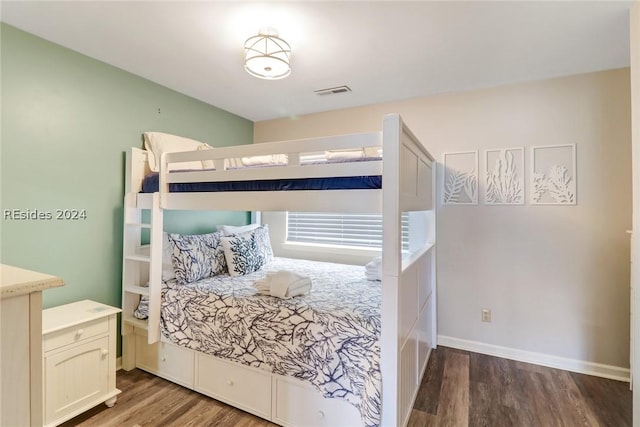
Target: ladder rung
pixel 135 289
pixel 138 224
pixel 143 258
pixel 134 321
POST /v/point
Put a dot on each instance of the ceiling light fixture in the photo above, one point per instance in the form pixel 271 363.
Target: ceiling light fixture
pixel 267 55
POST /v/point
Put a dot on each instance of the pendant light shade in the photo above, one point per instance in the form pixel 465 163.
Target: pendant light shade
pixel 267 55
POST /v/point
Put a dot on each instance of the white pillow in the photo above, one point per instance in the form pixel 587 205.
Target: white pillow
pixel 157 143
pixel 228 230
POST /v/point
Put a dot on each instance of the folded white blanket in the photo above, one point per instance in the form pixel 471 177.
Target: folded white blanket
pixel 275 159
pixel 350 154
pixel 353 154
pixel 283 284
pixel 373 269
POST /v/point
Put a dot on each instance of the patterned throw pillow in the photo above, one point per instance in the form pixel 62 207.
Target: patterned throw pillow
pixel 197 256
pixel 167 262
pixel 247 252
pixel 142 312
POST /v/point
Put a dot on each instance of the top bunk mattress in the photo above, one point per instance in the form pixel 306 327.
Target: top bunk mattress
pixel 151 184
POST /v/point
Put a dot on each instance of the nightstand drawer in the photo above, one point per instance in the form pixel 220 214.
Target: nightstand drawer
pixel 75 333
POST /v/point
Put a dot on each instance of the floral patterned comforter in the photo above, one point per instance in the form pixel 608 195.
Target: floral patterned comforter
pixel 329 337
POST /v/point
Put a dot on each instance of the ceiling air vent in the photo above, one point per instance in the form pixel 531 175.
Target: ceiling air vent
pixel 333 90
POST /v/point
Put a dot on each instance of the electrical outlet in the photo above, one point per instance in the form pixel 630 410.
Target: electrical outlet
pixel 485 315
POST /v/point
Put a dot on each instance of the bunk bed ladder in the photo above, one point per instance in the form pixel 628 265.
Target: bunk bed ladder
pixel 141 265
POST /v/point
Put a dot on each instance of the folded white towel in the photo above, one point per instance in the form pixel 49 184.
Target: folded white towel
pixel 283 284
pixel 262 287
pixel 375 262
pixel 373 269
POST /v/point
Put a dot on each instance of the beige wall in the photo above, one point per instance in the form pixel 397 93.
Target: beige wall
pixel 555 277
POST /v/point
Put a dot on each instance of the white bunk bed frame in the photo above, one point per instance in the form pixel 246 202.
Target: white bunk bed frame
pixel 408 283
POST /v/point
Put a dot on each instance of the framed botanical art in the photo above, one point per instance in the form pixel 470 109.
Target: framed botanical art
pixel 504 176
pixel 460 178
pixel 553 175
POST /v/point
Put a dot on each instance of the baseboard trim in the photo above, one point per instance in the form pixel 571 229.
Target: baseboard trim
pixel 573 365
pixel 118 363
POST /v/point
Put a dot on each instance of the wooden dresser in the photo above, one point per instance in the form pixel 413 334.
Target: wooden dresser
pixel 21 350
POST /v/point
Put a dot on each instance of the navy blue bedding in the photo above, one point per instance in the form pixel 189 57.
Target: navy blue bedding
pixel 151 184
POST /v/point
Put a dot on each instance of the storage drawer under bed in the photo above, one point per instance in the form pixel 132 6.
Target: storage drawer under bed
pixel 241 386
pixel 298 404
pixel 166 360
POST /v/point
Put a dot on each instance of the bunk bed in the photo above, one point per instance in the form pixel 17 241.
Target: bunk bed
pixel 402 181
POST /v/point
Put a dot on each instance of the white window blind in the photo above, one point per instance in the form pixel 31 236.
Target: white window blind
pixel 352 230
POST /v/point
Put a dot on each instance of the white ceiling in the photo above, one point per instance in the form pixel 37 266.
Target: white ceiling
pixel 382 50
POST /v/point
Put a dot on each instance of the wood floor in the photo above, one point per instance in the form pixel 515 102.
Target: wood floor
pixel 460 388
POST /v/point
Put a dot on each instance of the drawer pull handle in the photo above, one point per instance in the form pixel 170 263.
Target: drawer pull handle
pixel 105 353
pixel 230 382
pixel 163 358
pixel 79 332
pixel 320 414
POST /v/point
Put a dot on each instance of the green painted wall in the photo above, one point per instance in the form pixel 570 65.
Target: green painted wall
pixel 67 121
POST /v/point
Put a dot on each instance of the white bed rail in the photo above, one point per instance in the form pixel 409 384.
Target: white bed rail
pixel 293 148
pixel 293 169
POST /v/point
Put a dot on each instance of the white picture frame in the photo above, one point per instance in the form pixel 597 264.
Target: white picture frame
pixel 460 178
pixel 504 173
pixel 553 175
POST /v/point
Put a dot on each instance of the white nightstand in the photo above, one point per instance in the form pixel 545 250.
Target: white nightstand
pixel 79 342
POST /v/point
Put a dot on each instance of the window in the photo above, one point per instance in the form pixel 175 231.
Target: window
pixel 335 229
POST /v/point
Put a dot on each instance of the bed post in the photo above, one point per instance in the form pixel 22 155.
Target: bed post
pixel 408 283
pixel 391 264
pixel 136 167
pixel 155 270
pixel 434 259
pixel 163 185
